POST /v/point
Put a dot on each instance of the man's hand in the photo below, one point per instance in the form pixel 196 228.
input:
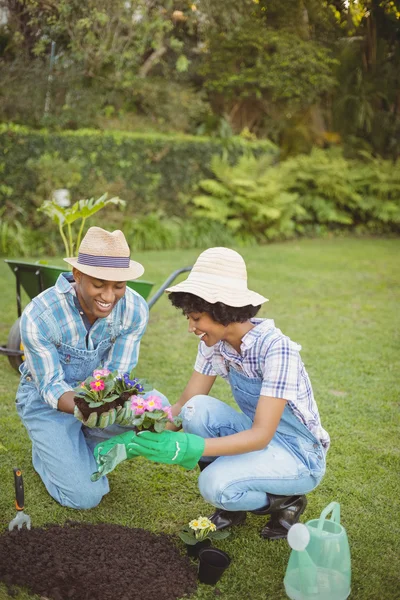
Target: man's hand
pixel 169 447
pixel 94 420
pixel 110 453
pixel 124 414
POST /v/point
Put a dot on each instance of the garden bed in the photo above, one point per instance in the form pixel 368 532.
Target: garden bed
pixel 95 562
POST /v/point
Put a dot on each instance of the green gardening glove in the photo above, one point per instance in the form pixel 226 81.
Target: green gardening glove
pixel 95 420
pixel 169 447
pixel 110 453
pixel 125 414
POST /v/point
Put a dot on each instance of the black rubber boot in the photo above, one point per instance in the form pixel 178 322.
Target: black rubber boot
pixel 227 518
pixel 224 518
pixel 285 511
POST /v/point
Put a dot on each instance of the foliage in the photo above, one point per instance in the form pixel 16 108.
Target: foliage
pixel 98 389
pixel 12 236
pixel 249 198
pixel 150 414
pixel 280 65
pixel 346 193
pixel 53 173
pixel 201 529
pixel 150 171
pixel 279 200
pixel 104 386
pixel 83 210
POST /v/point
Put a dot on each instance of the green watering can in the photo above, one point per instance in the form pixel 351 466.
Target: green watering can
pixel 319 565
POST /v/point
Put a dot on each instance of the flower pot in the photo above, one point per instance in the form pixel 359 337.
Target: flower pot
pixel 194 549
pixel 86 410
pixel 212 565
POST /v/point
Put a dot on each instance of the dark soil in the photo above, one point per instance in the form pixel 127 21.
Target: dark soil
pixel 86 410
pixel 95 562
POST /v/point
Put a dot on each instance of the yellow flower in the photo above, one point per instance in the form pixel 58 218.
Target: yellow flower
pixel 194 524
pixel 205 523
pixel 213 527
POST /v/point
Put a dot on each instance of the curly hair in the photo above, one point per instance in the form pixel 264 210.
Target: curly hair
pixel 219 312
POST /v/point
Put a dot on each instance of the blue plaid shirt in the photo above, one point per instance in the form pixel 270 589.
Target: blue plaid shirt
pixel 127 321
pixel 268 355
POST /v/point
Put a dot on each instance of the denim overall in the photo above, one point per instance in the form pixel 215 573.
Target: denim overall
pixel 292 463
pixel 62 449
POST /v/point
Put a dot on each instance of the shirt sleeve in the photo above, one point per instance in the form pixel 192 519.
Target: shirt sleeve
pixel 204 363
pixel 42 359
pixel 281 369
pixel 124 354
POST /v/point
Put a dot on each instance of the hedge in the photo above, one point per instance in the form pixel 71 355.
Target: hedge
pixel 148 170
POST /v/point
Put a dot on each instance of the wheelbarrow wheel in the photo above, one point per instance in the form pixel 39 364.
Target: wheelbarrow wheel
pixel 14 343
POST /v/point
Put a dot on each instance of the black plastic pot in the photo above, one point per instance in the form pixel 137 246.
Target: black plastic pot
pixel 194 549
pixel 212 565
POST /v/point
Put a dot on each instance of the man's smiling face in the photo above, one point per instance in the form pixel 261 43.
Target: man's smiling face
pixel 97 297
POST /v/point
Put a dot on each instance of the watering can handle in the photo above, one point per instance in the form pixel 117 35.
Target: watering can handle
pixel 334 508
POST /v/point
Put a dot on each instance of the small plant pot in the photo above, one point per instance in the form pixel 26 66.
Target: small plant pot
pixel 212 565
pixel 194 549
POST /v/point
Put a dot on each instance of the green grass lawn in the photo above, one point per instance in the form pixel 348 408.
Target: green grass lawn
pixel 340 300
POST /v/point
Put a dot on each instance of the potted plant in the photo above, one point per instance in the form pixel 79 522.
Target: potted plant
pixel 199 534
pixel 149 414
pixel 105 390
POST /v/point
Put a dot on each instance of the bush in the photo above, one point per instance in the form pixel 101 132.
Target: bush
pixel 149 171
pixel 314 193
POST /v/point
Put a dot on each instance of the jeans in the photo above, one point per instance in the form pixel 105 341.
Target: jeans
pixel 287 466
pixel 62 450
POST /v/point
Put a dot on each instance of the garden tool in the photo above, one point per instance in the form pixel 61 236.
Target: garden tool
pixel 319 565
pixel 21 518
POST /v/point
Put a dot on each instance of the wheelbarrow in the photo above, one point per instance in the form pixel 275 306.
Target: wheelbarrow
pixel 34 278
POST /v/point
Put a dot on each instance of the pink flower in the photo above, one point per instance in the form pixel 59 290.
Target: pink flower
pixel 168 411
pixel 98 373
pixel 138 405
pixel 153 403
pixel 97 386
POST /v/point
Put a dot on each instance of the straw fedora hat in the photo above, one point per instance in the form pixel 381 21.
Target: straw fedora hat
pixel 106 255
pixel 220 275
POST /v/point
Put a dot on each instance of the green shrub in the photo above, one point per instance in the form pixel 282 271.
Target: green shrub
pixel 314 193
pixel 249 198
pixel 150 171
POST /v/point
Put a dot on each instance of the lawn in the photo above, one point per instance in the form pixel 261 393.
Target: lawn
pixel 340 299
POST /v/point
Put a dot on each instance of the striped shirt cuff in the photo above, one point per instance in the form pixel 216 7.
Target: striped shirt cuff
pixel 54 392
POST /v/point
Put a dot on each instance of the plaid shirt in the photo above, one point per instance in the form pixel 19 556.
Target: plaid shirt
pixel 127 321
pixel 268 355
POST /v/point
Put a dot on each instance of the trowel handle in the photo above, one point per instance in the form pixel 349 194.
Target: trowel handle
pixel 19 489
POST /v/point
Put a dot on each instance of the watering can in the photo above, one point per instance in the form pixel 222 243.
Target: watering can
pixel 319 565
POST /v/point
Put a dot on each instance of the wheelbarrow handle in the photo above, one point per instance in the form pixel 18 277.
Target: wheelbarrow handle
pixel 19 489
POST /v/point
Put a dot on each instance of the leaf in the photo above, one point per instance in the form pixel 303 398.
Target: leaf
pixel 159 426
pixel 182 64
pixel 95 404
pixel 187 538
pixel 219 535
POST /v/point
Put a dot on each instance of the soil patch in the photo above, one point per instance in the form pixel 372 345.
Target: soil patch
pixel 95 562
pixel 86 410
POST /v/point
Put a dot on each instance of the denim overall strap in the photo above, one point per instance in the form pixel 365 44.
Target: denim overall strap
pixel 246 391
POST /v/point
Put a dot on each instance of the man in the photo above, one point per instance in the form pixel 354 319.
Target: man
pixel 88 320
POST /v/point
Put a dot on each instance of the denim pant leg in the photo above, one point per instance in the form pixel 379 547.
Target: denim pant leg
pixel 60 454
pixel 95 435
pixel 241 482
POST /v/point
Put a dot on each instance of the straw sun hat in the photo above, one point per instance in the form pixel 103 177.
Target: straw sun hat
pixel 220 275
pixel 106 255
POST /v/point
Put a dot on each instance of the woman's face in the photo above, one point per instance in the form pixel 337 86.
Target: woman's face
pixel 206 329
